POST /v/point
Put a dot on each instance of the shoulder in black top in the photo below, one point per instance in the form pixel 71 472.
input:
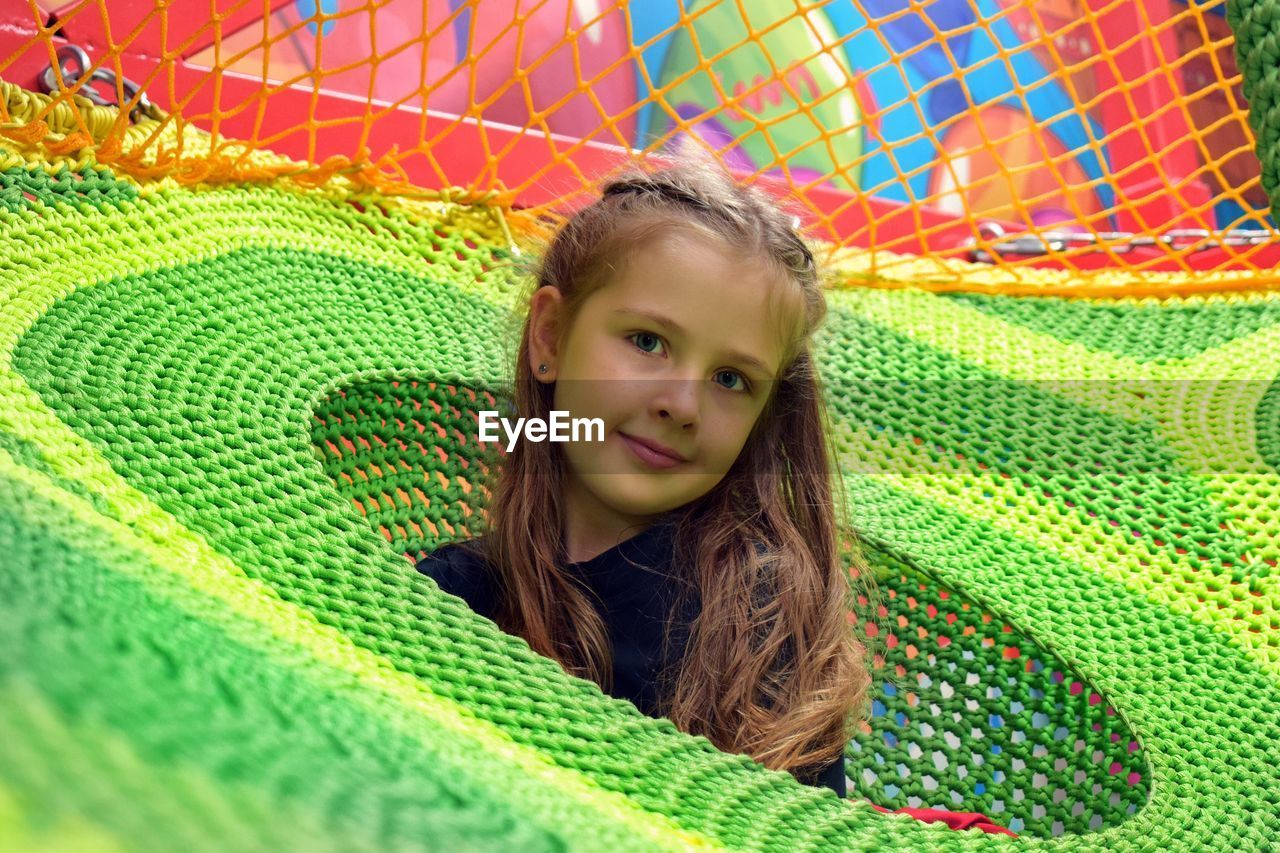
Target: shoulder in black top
pixel 634 612
pixel 459 570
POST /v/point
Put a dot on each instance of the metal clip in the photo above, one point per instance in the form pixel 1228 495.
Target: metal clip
pixel 72 76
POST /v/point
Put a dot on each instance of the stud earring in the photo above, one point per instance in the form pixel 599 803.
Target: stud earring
pixel 542 368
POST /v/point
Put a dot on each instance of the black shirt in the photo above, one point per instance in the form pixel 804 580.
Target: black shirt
pixel 634 610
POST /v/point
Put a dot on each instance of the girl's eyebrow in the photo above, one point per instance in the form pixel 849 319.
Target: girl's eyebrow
pixel 672 326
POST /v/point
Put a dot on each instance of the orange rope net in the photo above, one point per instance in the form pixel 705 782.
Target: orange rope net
pixel 1107 138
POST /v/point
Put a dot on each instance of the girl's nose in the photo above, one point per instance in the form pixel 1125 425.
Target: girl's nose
pixel 677 401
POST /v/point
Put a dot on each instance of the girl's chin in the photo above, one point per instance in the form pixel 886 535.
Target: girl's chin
pixel 640 495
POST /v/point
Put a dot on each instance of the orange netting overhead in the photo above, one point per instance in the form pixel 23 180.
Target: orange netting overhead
pixel 1107 135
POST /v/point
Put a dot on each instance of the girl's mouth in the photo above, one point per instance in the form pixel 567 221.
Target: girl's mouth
pixel 650 453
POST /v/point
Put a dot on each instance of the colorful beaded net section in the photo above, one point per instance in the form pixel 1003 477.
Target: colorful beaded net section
pixel 238 398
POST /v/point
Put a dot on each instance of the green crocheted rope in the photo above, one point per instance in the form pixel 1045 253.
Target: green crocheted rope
pixel 1256 24
pixel 231 418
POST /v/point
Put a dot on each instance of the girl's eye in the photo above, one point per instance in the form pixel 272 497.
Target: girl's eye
pixel 732 380
pixel 646 341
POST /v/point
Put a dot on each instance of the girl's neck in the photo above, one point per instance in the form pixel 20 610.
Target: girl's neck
pixel 590 529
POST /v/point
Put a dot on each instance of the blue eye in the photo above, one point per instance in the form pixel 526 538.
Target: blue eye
pixel 646 341
pixel 732 380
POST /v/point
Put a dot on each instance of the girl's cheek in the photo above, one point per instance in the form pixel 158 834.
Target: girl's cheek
pixel 734 411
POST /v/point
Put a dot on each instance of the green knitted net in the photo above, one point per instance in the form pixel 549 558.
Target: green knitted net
pixel 232 417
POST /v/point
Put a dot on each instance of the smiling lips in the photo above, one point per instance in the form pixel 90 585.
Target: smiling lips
pixel 652 453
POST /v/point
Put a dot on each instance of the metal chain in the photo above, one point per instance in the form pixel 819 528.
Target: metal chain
pixel 1120 242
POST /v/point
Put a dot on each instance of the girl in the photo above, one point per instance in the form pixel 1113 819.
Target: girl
pixel 689 560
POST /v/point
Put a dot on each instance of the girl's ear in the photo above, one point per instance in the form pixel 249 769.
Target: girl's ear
pixel 546 313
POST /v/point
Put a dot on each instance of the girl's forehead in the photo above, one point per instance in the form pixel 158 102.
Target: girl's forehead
pixel 709 289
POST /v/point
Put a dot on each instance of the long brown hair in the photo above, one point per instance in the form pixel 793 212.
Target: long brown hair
pixel 771 668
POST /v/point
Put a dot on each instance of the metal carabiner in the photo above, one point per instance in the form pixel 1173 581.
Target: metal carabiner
pixel 49 82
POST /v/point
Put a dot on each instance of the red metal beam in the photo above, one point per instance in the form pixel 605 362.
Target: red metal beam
pixel 312 125
pixel 462 152
pixel 181 28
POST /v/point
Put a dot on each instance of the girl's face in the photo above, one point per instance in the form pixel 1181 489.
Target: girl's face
pixel 677 355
